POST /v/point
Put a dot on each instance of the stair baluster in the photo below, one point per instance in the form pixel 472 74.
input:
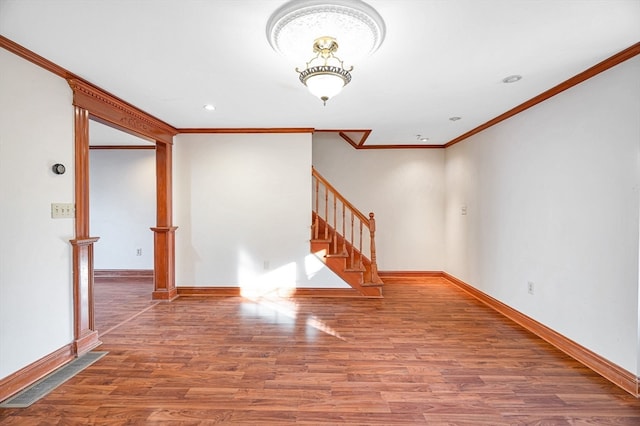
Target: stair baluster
pixel 359 255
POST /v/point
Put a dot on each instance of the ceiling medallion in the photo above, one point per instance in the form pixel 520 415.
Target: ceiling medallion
pixel 322 24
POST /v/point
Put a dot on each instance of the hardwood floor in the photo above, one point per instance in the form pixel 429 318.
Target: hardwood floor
pixel 425 354
pixel 116 301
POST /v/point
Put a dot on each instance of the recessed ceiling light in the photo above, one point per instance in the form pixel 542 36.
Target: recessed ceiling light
pixel 209 107
pixel 512 79
pixel 455 118
pixel 422 138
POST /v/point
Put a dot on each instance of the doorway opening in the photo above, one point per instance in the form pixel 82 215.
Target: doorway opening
pixel 122 207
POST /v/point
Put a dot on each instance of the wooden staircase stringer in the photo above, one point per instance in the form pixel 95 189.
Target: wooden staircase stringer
pixel 334 251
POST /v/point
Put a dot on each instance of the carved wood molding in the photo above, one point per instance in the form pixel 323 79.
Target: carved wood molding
pixel 610 371
pixel 33 372
pixel 112 110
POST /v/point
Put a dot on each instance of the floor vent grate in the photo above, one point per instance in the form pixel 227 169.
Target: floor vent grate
pixel 48 383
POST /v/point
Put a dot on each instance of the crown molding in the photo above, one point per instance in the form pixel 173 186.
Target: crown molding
pixel 608 63
pixel 248 130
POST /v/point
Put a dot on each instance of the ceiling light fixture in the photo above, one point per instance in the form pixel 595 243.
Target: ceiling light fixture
pixel 512 79
pixel 209 107
pixel 321 24
pixel 422 138
pixel 455 118
pixel 326 79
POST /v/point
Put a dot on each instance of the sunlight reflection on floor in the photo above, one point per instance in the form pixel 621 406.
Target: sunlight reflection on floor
pixel 270 295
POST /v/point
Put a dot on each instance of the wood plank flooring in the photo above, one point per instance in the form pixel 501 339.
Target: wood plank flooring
pixel 116 301
pixel 425 354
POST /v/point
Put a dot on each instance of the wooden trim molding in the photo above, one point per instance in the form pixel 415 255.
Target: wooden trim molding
pixel 164 263
pixel 124 276
pixel 113 111
pixel 408 277
pixel 237 291
pixel 209 291
pixel 164 232
pixel 431 146
pixel 34 58
pixel 85 335
pixel 33 372
pixel 326 292
pixel 610 371
pixel 110 147
pixel 93 98
pixel 123 273
pixel 610 62
pixel 249 130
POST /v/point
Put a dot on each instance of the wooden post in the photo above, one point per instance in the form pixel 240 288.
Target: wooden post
pixel 375 278
pixel 85 337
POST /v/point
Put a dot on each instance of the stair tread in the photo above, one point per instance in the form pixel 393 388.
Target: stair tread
pixel 337 255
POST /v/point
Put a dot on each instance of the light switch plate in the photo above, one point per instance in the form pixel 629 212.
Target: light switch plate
pixel 63 210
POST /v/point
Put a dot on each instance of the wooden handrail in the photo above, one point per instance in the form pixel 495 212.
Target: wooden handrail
pixel 349 238
pixel 339 196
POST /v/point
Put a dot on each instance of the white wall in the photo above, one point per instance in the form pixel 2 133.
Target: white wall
pixel 552 198
pixel 405 190
pixel 36 131
pixel 242 203
pixel 123 207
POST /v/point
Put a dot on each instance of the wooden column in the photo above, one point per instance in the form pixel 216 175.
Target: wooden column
pixel 85 337
pixel 164 232
pixel 101 106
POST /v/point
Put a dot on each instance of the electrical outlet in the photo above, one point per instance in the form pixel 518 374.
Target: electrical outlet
pixel 530 287
pixel 139 252
pixel 265 265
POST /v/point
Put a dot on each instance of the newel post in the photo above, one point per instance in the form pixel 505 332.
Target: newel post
pixel 375 278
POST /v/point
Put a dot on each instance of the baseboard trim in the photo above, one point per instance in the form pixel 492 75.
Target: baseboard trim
pixel 132 276
pixel 208 291
pixel 610 371
pixel 33 372
pixel 408 277
pixel 237 291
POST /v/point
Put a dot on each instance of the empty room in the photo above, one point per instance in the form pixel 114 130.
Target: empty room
pixel 320 212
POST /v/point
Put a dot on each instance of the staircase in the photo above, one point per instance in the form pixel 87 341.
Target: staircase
pixel 344 238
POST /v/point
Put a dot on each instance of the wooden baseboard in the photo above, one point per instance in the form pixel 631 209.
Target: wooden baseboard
pixel 33 372
pixel 298 292
pixel 123 275
pixel 610 371
pixel 408 277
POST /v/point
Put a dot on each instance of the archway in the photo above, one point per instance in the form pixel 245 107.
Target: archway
pixel 92 103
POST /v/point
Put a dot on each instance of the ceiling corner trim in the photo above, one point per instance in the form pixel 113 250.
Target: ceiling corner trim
pixel 608 63
pixel 402 146
pixel 247 130
pixel 34 58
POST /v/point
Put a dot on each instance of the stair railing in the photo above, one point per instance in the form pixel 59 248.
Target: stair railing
pixel 357 231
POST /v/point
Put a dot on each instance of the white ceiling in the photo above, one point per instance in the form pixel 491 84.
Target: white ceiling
pixel 440 58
